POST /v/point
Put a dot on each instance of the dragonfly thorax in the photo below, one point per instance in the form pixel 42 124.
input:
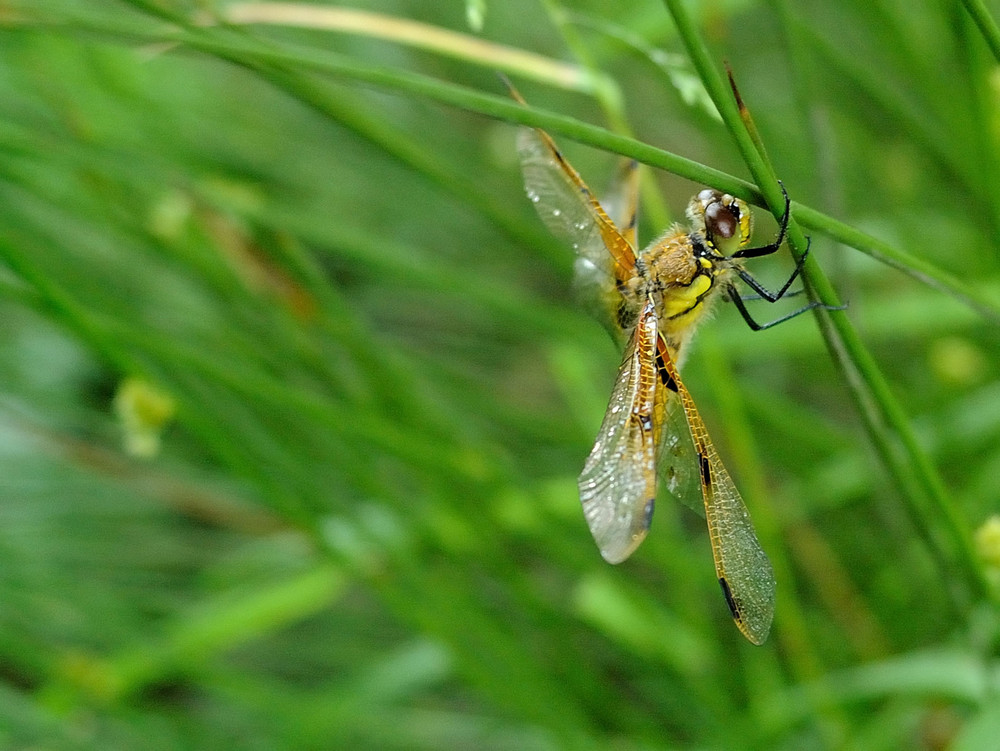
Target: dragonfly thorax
pixel 679 273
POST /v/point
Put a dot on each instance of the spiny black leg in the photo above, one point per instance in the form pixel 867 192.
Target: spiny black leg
pixel 772 247
pixel 734 295
pixel 755 298
pixel 763 291
pixel 760 289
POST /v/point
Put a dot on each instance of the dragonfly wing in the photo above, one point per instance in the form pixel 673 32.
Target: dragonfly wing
pixel 594 281
pixel 618 482
pixel 621 202
pixel 560 204
pixel 676 458
pixel 566 204
pixel 743 568
pixel 604 255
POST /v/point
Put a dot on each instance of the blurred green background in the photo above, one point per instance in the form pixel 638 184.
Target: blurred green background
pixel 295 392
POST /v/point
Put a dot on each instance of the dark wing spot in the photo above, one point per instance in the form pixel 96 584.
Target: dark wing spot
pixel 733 607
pixel 706 470
pixel 567 168
pixel 665 376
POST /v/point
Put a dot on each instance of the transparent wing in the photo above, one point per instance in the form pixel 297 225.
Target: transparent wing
pixel 676 459
pixel 618 482
pixel 621 202
pixel 566 205
pixel 594 281
pixel 564 202
pixel 605 255
pixel 562 206
pixel 743 568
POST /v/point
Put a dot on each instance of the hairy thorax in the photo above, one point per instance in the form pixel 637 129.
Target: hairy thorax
pixel 681 278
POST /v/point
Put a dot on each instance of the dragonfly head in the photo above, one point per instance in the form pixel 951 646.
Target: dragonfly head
pixel 723 220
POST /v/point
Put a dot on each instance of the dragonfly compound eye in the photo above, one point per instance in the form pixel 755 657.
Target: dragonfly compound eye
pixel 727 224
pixel 722 221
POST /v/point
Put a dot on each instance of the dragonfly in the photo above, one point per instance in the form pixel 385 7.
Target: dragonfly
pixel 652 300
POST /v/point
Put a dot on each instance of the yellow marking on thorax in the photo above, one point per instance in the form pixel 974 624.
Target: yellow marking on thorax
pixel 683 307
pixel 680 300
pixel 680 282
